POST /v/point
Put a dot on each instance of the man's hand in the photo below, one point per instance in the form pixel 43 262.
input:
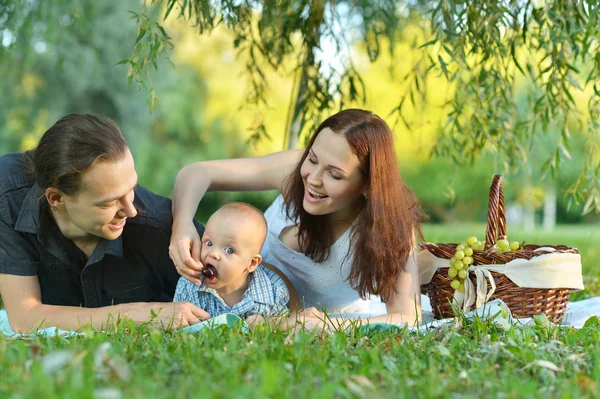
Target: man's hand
pixel 254 320
pixel 185 250
pixel 176 314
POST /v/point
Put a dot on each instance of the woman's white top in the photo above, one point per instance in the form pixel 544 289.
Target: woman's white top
pixel 322 285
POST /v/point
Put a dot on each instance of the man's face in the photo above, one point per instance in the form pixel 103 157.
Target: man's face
pixel 105 200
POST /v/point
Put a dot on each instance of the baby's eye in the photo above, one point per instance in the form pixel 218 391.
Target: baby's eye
pixel 311 160
pixel 208 243
pixel 229 250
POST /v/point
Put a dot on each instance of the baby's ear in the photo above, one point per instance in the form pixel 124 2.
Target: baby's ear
pixel 256 259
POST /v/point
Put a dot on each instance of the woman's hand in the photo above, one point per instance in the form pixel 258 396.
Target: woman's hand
pixel 185 251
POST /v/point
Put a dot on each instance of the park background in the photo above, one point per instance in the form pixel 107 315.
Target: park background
pixel 70 60
pixel 72 56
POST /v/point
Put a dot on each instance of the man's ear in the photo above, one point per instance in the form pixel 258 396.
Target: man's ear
pixel 54 197
pixel 256 260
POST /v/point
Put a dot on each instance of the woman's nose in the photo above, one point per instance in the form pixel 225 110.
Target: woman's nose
pixel 314 178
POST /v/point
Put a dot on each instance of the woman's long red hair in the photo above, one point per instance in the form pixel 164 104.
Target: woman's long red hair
pixel 389 220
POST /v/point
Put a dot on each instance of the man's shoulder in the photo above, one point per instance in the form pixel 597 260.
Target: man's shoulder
pixel 14 186
pixel 12 176
pixel 152 210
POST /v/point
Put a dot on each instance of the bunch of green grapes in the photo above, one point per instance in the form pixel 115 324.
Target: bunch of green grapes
pixel 503 246
pixel 463 258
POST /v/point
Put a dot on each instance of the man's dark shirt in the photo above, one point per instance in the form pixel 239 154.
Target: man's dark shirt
pixel 133 268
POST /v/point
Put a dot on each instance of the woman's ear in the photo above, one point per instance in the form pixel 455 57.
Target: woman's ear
pixel 365 191
pixel 54 197
pixel 256 260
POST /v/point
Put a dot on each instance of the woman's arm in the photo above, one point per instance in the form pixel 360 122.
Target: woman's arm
pixel 404 307
pixel 193 181
pixel 26 312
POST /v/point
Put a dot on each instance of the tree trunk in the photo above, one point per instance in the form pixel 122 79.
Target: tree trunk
pixel 298 117
pixel 550 209
pixel 529 218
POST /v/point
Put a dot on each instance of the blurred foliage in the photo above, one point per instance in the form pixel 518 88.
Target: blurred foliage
pixel 71 66
pixel 449 86
pixel 483 48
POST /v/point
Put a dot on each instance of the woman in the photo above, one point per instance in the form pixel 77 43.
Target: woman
pixel 351 222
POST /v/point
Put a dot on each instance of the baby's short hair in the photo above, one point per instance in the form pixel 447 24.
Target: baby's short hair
pixel 246 210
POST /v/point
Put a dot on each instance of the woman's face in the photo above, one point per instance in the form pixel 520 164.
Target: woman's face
pixel 333 182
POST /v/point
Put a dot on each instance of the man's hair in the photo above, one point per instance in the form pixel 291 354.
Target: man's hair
pixel 70 147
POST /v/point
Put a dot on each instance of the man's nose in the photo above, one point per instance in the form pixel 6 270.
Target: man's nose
pixel 128 209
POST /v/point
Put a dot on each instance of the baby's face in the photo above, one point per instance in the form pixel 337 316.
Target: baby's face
pixel 228 246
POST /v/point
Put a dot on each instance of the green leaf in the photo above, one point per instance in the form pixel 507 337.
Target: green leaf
pixel 429 43
pixel 592 322
pixel 443 66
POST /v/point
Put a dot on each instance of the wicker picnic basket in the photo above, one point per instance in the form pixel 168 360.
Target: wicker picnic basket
pixel 523 302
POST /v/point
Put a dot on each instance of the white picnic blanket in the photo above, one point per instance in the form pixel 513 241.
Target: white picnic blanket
pixel 576 315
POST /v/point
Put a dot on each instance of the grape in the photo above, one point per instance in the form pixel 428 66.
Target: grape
pixel 459 255
pixel 461 287
pixel 458 265
pixel 209 272
pixel 467 260
pixel 455 284
pixel 462 274
pixel 503 244
pixel 460 247
pixel 468 251
pixel 514 245
pixel 471 240
pixel 452 272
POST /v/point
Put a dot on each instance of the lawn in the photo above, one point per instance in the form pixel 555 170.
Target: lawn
pixel 470 359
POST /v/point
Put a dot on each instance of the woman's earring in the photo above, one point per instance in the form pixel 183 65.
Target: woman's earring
pixel 366 196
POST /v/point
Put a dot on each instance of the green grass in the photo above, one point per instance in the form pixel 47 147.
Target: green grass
pixel 475 359
pixel 471 359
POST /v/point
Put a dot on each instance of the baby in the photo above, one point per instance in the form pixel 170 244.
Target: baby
pixel 234 280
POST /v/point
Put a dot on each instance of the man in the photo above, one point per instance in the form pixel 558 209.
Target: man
pixel 80 242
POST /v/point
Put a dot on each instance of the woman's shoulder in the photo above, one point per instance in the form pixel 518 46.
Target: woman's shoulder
pixel 276 215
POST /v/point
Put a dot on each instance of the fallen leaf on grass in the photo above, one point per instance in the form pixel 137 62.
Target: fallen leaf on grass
pixel 56 361
pixel 107 393
pixel 358 384
pixel 110 365
pixel 586 384
pixel 576 357
pixel 547 365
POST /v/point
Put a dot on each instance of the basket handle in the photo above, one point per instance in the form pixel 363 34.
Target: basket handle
pixel 496 223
